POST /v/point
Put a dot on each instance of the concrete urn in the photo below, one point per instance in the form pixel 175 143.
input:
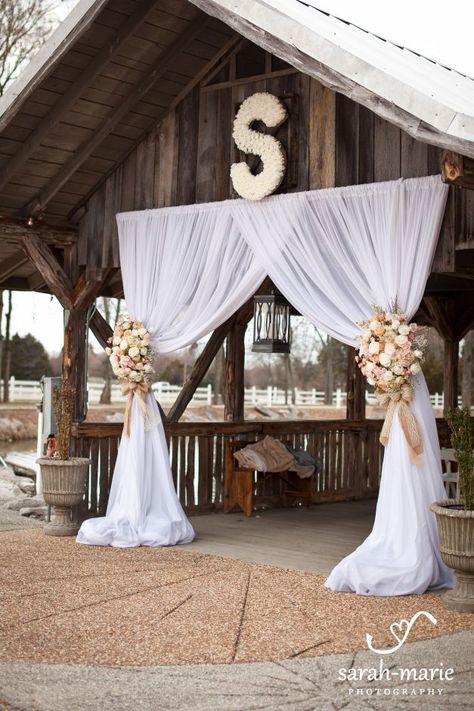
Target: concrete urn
pixel 456 545
pixel 64 485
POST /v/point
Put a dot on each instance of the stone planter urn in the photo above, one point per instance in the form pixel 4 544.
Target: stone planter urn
pixel 64 483
pixel 456 545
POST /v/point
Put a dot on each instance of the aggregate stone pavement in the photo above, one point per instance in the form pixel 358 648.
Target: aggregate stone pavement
pixel 293 685
pixel 301 684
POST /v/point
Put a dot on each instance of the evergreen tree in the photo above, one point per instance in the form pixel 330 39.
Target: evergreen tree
pixel 29 360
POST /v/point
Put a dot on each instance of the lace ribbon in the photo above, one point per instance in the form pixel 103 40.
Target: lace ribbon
pixel 140 390
pixel 401 399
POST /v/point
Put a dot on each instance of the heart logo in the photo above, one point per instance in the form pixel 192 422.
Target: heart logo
pixel 399 628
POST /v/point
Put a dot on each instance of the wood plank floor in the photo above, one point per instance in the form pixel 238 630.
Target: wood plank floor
pixel 312 539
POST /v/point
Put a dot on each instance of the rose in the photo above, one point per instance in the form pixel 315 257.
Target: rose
pixel 374 347
pixel 418 354
pixel 133 352
pixel 389 348
pixel 404 330
pixel 388 376
pixel 395 324
pixel 385 360
pixel 401 340
pixel 415 368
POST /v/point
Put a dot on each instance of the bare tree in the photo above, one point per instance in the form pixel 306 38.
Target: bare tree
pixel 111 315
pixel 24 27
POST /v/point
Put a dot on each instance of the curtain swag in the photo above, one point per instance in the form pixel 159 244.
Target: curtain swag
pixel 334 254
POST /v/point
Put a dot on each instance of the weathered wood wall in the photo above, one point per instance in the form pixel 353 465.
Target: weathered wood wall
pixel 330 140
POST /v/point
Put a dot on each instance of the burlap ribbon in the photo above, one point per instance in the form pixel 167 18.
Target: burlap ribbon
pixel 130 390
pixel 401 399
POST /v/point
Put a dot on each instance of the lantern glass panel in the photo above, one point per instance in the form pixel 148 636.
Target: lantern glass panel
pixel 271 331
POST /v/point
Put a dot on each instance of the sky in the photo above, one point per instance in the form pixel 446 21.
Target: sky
pixel 438 29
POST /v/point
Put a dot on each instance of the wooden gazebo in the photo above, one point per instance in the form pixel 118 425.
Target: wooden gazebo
pixel 130 106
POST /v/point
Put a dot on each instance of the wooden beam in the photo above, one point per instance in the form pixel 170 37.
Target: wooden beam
pixel 75 358
pixel 450 374
pixel 199 370
pixel 14 231
pixel 355 407
pixel 100 328
pixel 16 284
pixel 53 273
pixel 73 214
pixel 458 170
pixel 68 99
pixel 10 265
pixel 165 62
pixel 258 77
pixel 37 282
pixel 235 366
pixel 86 290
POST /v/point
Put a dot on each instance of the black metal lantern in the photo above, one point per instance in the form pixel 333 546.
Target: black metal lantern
pixel 271 323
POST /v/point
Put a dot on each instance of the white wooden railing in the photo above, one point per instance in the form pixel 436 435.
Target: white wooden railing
pixel 30 391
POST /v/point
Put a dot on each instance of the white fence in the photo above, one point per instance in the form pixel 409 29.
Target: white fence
pixel 30 391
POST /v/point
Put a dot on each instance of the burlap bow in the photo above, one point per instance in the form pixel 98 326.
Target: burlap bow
pixel 140 390
pixel 408 421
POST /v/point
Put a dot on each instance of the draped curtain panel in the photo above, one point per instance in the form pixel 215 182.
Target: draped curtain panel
pixel 184 272
pixel 334 254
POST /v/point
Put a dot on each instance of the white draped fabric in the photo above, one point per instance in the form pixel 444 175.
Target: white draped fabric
pixel 334 254
pixel 184 273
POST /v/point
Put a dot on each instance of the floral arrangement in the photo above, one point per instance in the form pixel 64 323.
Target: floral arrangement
pixel 269 109
pixel 131 356
pixel 130 353
pixel 391 350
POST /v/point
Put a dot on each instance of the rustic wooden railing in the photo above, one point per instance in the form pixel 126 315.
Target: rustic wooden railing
pixel 349 453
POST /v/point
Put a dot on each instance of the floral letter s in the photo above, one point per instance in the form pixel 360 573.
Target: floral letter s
pixel 269 109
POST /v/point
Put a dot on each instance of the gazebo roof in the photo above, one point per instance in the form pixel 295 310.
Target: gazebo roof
pixel 114 68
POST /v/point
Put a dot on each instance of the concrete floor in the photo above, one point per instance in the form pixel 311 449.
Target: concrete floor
pixel 312 539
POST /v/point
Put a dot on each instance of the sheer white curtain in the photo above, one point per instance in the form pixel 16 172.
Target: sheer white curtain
pixel 185 271
pixel 335 254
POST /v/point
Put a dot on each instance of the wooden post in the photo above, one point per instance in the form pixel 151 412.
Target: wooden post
pixel 6 354
pixel 235 364
pixel 355 406
pixel 75 358
pixel 450 377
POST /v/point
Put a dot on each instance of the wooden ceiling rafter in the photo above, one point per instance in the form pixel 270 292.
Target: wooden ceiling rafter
pixel 73 94
pixel 228 47
pixel 36 206
pixel 10 265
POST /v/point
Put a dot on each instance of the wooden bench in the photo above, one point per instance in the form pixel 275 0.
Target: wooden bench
pixel 240 484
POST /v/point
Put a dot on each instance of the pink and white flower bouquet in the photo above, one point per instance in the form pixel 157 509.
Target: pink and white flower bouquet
pixel 130 353
pixel 391 350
